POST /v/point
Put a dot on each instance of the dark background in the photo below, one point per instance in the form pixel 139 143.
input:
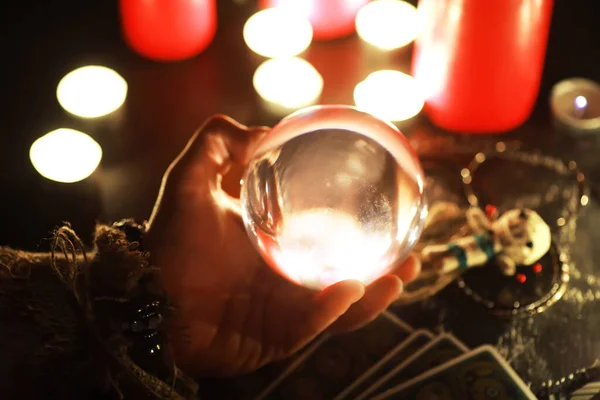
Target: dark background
pixel 44 40
pixel 41 41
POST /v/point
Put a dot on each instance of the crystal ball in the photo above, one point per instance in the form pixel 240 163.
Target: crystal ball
pixel 333 193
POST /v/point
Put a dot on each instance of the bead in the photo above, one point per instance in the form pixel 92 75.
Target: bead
pixel 490 211
pixel 137 326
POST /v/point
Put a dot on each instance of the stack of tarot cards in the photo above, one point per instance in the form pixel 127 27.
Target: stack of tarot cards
pixel 388 359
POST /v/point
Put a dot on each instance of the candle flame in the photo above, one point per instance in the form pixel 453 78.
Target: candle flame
pixel 277 32
pixel 289 83
pixel 390 95
pixel 91 91
pixel 581 102
pixel 388 24
pixel 65 155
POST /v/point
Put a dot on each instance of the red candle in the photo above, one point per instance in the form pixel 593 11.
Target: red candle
pixel 480 62
pixel 168 30
pixel 330 19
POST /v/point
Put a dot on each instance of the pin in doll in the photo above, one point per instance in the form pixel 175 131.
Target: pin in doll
pixel 517 237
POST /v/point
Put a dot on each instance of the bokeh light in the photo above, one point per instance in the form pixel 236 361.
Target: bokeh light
pixel 390 95
pixel 290 83
pixel 91 91
pixel 330 19
pixel 65 155
pixel 306 8
pixel 388 24
pixel 581 102
pixel 277 32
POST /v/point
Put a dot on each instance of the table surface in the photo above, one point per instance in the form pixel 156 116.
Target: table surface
pixel 167 101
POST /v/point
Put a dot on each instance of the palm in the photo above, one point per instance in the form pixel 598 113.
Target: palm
pixel 238 314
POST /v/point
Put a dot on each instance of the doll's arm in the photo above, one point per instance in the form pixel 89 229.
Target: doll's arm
pixel 506 265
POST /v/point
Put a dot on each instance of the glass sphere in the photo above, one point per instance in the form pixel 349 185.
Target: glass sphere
pixel 333 193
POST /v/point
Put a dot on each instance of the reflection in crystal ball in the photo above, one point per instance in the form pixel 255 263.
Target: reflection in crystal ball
pixel 333 193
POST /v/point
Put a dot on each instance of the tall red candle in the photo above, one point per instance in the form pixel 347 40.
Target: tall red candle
pixel 330 19
pixel 480 62
pixel 168 30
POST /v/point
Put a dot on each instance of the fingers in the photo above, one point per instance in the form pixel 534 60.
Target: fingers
pixel 330 304
pixel 409 269
pixel 378 296
pixel 209 153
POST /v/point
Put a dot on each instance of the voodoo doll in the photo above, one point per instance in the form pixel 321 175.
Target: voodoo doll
pixel 517 237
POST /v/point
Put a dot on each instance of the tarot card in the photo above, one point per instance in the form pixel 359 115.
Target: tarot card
pixel 443 348
pixel 334 363
pixel 479 374
pixel 397 355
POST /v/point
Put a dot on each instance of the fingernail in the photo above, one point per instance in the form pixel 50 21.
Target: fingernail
pixel 400 287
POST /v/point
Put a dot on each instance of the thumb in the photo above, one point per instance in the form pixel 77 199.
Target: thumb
pixel 210 152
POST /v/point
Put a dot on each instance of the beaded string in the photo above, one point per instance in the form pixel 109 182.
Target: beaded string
pixel 566 223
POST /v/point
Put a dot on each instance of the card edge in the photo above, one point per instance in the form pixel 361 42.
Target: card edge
pixel 397 320
pixel 311 348
pixel 406 362
pixel 433 371
pixel 402 345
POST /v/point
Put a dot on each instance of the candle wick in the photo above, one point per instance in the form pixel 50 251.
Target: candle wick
pixel 580 104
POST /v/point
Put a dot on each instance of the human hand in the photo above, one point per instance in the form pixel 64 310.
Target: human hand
pixel 238 313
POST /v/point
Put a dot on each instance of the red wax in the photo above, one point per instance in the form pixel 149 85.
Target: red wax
pixel 480 61
pixel 168 30
pixel 330 19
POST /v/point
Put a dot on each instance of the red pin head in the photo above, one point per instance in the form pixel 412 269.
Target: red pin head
pixel 491 211
pixel 521 278
pixel 537 268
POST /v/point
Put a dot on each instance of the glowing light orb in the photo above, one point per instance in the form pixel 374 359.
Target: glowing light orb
pixel 390 95
pixel 388 24
pixel 581 102
pixel 290 83
pixel 277 32
pixel 331 194
pixel 92 91
pixel 65 155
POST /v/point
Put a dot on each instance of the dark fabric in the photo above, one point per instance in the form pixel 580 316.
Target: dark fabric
pixel 42 337
pixel 61 317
